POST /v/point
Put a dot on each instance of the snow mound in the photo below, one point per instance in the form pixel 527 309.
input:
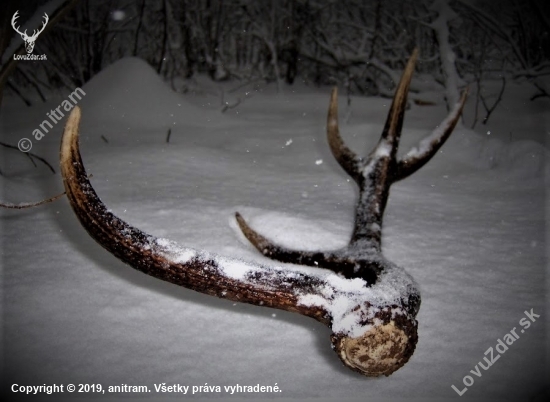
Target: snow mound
pixel 527 158
pixel 520 159
pixel 130 92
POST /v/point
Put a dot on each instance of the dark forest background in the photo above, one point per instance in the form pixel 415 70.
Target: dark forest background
pixel 359 44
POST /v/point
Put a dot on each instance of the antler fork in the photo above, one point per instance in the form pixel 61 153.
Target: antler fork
pixel 374 175
pixel 371 311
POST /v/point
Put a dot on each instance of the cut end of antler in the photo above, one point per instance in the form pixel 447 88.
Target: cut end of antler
pixel 381 350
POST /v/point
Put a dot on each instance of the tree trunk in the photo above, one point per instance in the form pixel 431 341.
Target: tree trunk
pixel 446 53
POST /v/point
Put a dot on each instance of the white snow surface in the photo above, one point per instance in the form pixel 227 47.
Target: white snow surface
pixel 470 227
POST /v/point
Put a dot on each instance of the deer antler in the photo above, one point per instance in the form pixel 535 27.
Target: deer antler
pixel 371 313
pixel 35 33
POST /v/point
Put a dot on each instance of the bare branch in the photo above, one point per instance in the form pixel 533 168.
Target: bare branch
pixel 490 109
pixel 542 92
pixel 31 204
pixel 496 27
pixel 30 155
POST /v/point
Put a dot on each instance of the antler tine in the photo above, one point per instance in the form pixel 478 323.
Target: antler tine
pixel 335 261
pixel 35 33
pixel 394 123
pixel 428 147
pixel 257 240
pixel 266 246
pixel 13 22
pixel 348 159
pixel 374 330
pixel 14 18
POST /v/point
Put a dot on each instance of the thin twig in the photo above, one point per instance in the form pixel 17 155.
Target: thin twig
pixel 541 94
pixel 478 92
pixel 30 204
pixel 231 105
pixel 31 159
pixel 18 93
pixel 32 83
pixel 25 205
pixel 492 108
pixel 30 155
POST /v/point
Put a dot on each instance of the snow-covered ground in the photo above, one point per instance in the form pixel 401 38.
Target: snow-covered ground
pixel 470 227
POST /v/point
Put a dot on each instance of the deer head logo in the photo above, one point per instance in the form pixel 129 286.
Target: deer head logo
pixel 29 40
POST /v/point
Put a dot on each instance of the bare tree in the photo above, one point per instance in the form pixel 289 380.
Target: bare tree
pixel 440 25
pixel 359 44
